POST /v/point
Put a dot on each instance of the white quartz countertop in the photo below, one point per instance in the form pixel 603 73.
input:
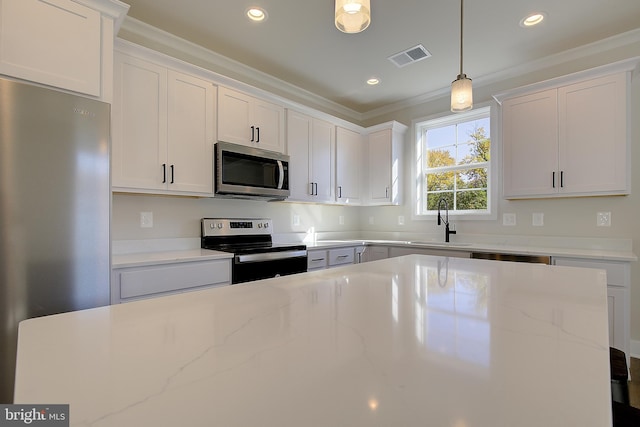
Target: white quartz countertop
pixel 489 247
pixel 166 257
pixel 408 341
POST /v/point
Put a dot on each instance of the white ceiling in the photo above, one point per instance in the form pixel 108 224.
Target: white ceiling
pixel 299 43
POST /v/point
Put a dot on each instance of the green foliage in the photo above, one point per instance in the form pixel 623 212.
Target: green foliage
pixel 468 185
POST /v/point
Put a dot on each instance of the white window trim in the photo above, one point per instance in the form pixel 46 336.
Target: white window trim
pixel 494 173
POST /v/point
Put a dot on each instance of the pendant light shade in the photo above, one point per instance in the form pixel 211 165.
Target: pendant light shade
pixel 461 88
pixel 461 94
pixel 353 16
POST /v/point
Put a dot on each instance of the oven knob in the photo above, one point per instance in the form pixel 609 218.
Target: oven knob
pixel 266 225
pixel 219 225
pixel 259 225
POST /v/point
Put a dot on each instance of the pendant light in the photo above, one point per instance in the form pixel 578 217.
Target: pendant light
pixel 353 16
pixel 461 90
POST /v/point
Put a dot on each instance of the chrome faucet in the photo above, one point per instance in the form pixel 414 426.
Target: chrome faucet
pixel 447 231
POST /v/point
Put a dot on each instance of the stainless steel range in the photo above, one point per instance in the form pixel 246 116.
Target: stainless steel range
pixel 255 255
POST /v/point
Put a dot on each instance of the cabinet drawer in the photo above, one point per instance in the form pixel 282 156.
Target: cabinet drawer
pixel 316 260
pixel 153 280
pixel 341 256
pixel 616 272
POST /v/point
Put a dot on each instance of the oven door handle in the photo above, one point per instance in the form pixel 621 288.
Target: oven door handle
pixel 269 256
pixel 280 174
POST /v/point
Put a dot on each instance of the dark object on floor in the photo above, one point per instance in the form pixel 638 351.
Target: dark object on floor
pixel 619 376
pixel 625 415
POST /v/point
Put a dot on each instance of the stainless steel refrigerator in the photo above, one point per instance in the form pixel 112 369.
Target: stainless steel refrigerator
pixel 55 205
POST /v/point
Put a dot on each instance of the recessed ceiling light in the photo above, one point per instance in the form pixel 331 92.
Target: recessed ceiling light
pixel 532 19
pixel 373 81
pixel 257 14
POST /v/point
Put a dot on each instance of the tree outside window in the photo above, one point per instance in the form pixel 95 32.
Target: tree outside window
pixel 455 163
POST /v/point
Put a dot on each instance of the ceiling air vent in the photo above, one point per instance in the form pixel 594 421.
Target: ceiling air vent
pixel 409 56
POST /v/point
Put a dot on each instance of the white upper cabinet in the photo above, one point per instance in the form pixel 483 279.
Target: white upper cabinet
pixel 60 43
pixel 139 124
pixel 244 119
pixel 567 141
pixel 310 145
pixel 349 164
pixel 384 148
pixel 191 133
pixel 163 129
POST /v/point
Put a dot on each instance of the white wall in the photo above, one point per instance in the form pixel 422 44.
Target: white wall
pixel 179 217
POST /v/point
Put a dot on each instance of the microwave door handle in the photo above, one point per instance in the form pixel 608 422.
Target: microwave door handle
pixel 280 175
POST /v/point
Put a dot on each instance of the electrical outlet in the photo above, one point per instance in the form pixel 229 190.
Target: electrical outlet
pixel 371 220
pixel 537 219
pixel 603 219
pixel 400 219
pixel 509 219
pixel 341 220
pixel 296 220
pixel 146 219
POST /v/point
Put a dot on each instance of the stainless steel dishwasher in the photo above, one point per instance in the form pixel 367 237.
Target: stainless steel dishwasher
pixel 539 259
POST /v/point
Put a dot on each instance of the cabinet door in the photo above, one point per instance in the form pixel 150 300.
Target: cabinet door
pixel 530 145
pixel 298 148
pixel 348 166
pixel 234 116
pixel 616 297
pixel 593 136
pixel 322 165
pixel 191 133
pixel 268 123
pixel 55 42
pixel 380 167
pixel 139 111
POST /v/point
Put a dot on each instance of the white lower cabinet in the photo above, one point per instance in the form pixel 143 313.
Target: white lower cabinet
pixel 133 283
pixel 618 297
pixel 319 259
pixel 374 253
pixel 316 260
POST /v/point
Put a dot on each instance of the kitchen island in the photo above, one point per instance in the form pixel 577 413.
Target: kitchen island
pixel 408 341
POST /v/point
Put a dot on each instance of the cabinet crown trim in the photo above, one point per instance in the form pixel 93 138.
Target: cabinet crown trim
pixel 626 65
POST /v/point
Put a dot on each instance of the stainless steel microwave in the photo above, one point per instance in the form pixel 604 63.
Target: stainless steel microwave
pixel 247 172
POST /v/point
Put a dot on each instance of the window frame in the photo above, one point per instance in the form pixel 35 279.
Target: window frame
pixel 419 127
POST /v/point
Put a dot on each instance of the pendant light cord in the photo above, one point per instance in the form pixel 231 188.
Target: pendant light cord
pixel 461 31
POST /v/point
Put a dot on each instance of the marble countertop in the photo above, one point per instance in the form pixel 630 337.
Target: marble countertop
pixel 488 247
pixel 408 341
pixel 152 256
pixel 166 257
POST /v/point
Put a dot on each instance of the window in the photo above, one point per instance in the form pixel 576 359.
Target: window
pixel 453 162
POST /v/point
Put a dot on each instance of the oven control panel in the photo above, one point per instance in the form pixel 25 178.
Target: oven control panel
pixel 235 227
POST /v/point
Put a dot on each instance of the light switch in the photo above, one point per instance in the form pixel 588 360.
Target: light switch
pixel 341 220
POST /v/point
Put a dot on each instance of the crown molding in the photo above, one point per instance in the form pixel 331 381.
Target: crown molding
pixel 598 47
pixel 155 38
pixel 115 9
